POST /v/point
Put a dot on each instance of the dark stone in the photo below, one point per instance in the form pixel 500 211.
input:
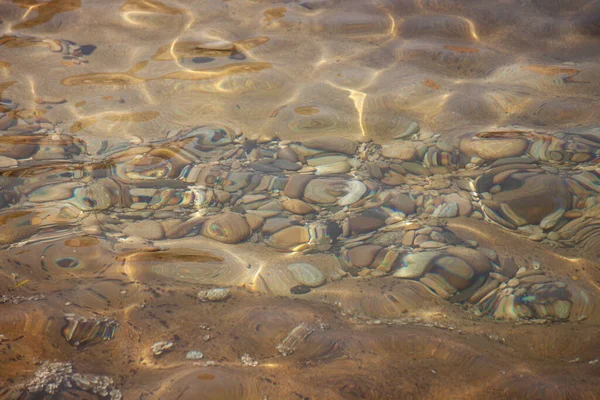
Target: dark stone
pixel 202 60
pixel 87 49
pixel 300 289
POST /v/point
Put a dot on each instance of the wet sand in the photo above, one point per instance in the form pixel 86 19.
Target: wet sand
pixel 312 200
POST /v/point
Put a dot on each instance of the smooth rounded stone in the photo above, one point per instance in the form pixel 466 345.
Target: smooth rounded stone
pixel 448 210
pixel 7 162
pixel 286 165
pixel 294 188
pixel 320 160
pixel 420 239
pixel 286 153
pixel 494 149
pixel 368 221
pixel 489 253
pixel 476 260
pixel 146 229
pixel 264 166
pixel 274 225
pixel 160 347
pixel 387 238
pixel 6 122
pixel 323 191
pixel 254 221
pixel 264 213
pixel 227 228
pixel 431 244
pixel 307 274
pixel 216 294
pixel 296 206
pixel 495 189
pixel 401 202
pixel 554 236
pixel 333 144
pixel 464 206
pixel 362 256
pixel 437 237
pixel 300 289
pixel 537 237
pixel 415 168
pixel 405 151
pixel 374 170
pixel 340 167
pixel 194 355
pixel 289 238
pixel 408 238
pixel 415 265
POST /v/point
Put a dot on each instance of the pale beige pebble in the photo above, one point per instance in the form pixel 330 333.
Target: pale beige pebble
pixel 495 189
pixel 494 149
pixel 147 229
pixel 537 237
pixel 498 277
pixel 296 206
pixel 216 294
pixel 49 100
pixel 254 221
pixel 412 226
pixel 263 138
pixel 7 162
pixel 477 215
pixel 405 151
pixel 54 45
pixel 520 272
pixel 339 216
pixel 554 236
pixel 425 231
pixel 420 239
pixel 431 245
pixel 573 214
pixel 477 260
pixel 514 282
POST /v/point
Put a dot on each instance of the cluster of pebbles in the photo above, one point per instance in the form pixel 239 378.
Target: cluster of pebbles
pixel 51 377
pixel 381 210
pixel 70 51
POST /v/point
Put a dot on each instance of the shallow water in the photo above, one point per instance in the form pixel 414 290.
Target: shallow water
pixel 313 200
